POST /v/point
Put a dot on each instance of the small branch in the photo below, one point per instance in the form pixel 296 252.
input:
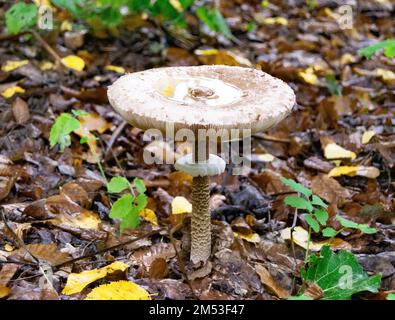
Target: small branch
pixel 114 137
pixel 47 47
pixel 267 137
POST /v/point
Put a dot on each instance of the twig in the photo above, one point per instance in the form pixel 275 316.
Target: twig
pixel 267 137
pixel 114 137
pixel 293 248
pixel 58 59
pixel 108 249
pixel 180 262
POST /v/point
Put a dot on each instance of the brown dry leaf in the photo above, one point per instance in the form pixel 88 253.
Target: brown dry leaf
pixel 267 280
pixel 214 56
pixel 7 272
pixel 4 292
pixel 47 252
pixel 76 193
pixel 158 269
pixel 147 256
pixel 330 190
pixel 20 110
pixel 8 176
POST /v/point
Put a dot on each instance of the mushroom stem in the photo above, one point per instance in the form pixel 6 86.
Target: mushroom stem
pixel 201 220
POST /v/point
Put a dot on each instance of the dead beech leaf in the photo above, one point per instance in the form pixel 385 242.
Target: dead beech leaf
pixel 119 290
pixel 11 65
pixel 367 136
pixel 147 256
pixel 4 292
pixel 76 282
pixel 368 172
pixel 158 269
pixel 334 151
pixel 47 252
pixel 301 237
pixel 9 173
pixel 7 272
pixel 330 190
pixel 252 237
pixel 11 91
pixel 74 62
pixel 215 56
pixel 180 205
pixel 149 215
pixel 20 110
pixel 267 280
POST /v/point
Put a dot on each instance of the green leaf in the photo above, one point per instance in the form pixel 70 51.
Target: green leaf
pixel 322 216
pixel 301 297
pixel 339 275
pixel 366 229
pixel 84 140
pixel 329 232
pixel 139 184
pixel 79 113
pixel 387 45
pixel 296 186
pixel 332 85
pixel 122 207
pixel 391 296
pixel 298 203
pixel 312 222
pixel 61 129
pixel 20 17
pixel 347 223
pixel 214 20
pixel 75 7
pixel 117 184
pixel 317 201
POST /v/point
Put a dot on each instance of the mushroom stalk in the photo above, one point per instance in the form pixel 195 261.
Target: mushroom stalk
pixel 201 220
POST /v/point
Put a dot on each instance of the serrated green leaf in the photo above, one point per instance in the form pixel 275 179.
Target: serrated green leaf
pixel 298 203
pixel 296 186
pixel 317 201
pixel 322 216
pixel 329 232
pixel 61 129
pixel 117 184
pixel 339 275
pixel 139 184
pixel 312 222
pixel 20 17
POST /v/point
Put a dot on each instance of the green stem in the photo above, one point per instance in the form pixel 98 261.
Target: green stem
pixel 308 246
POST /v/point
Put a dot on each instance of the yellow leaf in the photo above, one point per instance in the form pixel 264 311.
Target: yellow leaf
pixel 119 290
pixel 4 292
pixel 367 136
pixel 309 76
pixel 66 26
pixel 74 62
pixel 83 220
pixel 347 59
pixel 115 69
pixel 368 172
pixel 12 65
pixel 334 151
pixel 180 205
pixel 46 65
pixel 226 57
pixel 150 216
pixel 168 91
pixel 265 157
pixel 76 282
pixel 387 76
pixel 42 3
pixel 252 237
pixel 177 5
pixel 301 237
pixel 275 20
pixel 8 247
pixel 9 92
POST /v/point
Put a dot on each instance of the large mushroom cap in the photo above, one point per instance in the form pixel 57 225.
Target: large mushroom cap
pixel 218 97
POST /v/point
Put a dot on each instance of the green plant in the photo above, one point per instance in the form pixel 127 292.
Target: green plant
pixel 20 17
pixel 214 20
pixel 387 45
pixel 339 275
pixel 128 207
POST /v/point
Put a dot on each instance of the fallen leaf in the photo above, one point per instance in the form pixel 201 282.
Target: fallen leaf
pixel 20 110
pixel 330 190
pixel 267 280
pixel 12 65
pixel 119 290
pixel 4 292
pixel 158 269
pixel 301 237
pixel 47 252
pixel 7 272
pixel 368 172
pixel 116 69
pixel 214 56
pixel 180 205
pixel 46 65
pixel 150 216
pixel 76 282
pixel 274 20
pixel 9 92
pixel 253 237
pixel 387 76
pixel 334 151
pixel 309 76
pixel 74 62
pixel 367 136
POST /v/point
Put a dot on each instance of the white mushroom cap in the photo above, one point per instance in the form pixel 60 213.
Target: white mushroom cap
pixel 218 97
pixel 211 167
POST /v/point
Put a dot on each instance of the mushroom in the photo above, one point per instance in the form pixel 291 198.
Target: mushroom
pixel 200 98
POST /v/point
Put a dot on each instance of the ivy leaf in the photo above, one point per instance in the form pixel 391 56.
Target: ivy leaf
pixel 298 203
pixel 61 129
pixel 20 17
pixel 317 201
pixel 329 232
pixel 339 275
pixel 117 185
pixel 312 222
pixel 296 186
pixel 139 184
pixel 322 216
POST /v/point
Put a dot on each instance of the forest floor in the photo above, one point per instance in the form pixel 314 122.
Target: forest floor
pixel 55 205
